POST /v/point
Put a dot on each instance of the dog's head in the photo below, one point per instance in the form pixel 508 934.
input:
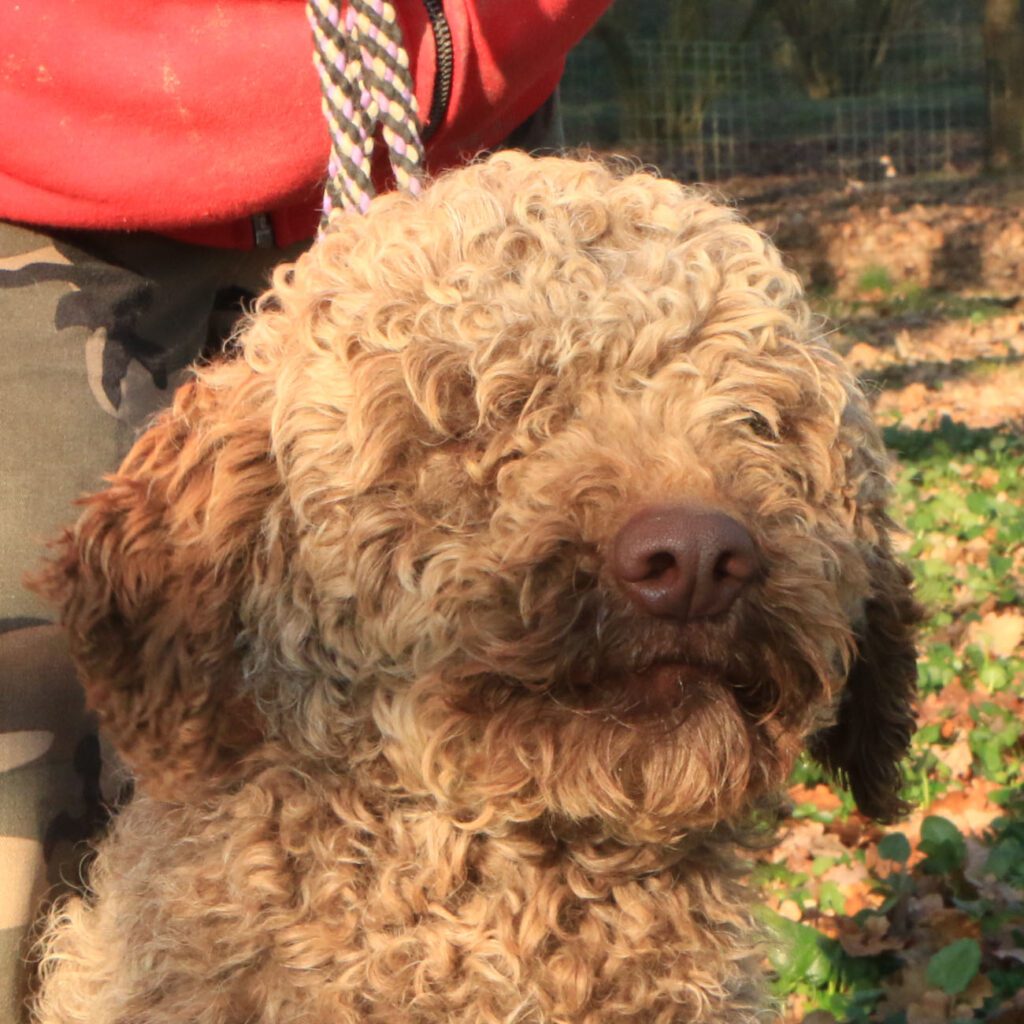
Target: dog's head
pixel 539 486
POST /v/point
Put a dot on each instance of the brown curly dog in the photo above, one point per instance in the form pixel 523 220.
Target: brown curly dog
pixel 458 627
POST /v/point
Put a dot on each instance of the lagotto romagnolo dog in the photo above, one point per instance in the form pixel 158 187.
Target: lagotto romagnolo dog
pixel 459 624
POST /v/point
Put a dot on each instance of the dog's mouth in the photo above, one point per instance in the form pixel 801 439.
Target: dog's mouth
pixel 659 687
pixel 669 675
pixel 622 667
pixel 667 684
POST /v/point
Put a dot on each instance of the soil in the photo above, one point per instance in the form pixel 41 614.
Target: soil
pixel 962 234
pixel 920 282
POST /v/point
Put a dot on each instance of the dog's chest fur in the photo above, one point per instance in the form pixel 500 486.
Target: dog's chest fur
pixel 322 904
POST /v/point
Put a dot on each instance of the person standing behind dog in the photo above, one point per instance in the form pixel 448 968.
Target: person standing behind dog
pixel 156 162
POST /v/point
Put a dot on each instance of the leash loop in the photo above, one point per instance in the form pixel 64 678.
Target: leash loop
pixel 366 84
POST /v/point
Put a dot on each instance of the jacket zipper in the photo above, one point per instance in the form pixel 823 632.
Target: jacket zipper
pixel 445 61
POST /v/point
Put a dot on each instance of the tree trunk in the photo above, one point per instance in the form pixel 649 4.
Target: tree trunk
pixel 1004 72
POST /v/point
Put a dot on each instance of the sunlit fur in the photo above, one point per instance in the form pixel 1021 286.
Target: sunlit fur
pixel 346 612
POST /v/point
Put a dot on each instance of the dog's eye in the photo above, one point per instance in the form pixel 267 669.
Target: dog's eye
pixel 760 426
pixel 511 456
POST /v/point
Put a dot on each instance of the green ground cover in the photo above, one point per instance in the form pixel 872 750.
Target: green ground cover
pixel 922 922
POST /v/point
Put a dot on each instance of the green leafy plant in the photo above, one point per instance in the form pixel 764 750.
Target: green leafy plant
pixel 924 921
pixel 953 968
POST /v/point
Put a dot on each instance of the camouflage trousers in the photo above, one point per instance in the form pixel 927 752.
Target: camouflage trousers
pixel 96 330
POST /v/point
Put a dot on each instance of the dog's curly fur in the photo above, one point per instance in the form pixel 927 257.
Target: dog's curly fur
pixel 346 611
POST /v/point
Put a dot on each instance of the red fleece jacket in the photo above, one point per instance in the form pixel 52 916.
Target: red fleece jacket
pixel 190 116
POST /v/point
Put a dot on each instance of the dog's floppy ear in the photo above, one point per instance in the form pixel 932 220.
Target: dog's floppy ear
pixel 150 578
pixel 876 713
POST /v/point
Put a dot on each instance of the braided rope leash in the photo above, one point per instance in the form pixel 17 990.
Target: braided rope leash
pixel 366 81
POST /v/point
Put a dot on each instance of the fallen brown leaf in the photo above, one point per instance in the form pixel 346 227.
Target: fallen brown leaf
pixel 933 1008
pixel 868 939
pixel 971 808
pixel 957 757
pixel 998 633
pixel 824 798
pixel 865 357
pixel 907 988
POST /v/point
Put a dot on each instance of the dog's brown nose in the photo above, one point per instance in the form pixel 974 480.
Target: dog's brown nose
pixel 681 562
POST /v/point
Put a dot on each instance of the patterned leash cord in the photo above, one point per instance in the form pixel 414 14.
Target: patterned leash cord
pixel 366 81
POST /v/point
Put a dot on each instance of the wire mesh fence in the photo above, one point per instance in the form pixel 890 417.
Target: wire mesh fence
pixel 912 103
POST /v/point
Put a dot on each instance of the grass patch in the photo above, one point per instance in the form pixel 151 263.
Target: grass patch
pixel 886 300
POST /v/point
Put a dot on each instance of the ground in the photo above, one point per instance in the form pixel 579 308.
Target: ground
pixel 922 922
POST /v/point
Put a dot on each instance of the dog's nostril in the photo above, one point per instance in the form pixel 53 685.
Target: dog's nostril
pixel 736 565
pixel 658 564
pixel 683 562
